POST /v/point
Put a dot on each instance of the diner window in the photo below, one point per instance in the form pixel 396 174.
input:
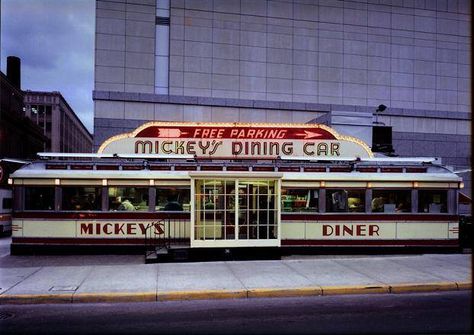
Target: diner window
pixel 39 198
pixel 351 200
pixel 82 198
pixel 128 198
pixel 173 199
pixel 299 200
pixel 391 201
pixel 432 201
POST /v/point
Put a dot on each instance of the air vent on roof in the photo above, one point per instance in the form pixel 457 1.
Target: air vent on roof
pixel 391 169
pixel 160 167
pixel 81 167
pixel 185 168
pixel 56 167
pixel 416 169
pixel 367 169
pixel 107 167
pixel 289 169
pixel 315 169
pixel 211 168
pixel 237 168
pixel 340 169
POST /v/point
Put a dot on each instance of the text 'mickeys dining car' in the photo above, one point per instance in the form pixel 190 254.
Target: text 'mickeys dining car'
pixel 235 185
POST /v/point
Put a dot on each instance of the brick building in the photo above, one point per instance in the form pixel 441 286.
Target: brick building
pixel 58 122
pixel 19 137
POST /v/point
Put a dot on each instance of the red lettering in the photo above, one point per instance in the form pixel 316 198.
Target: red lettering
pixel 158 229
pixel 142 228
pixel 347 230
pixel 86 228
pixel 106 230
pixel 373 229
pixel 119 229
pixel 361 230
pixel 131 229
pixel 327 230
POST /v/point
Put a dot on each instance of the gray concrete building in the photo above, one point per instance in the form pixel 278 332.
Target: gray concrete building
pixel 59 123
pixel 289 61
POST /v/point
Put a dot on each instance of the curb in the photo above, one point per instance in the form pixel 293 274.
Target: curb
pixel 197 295
pixel 109 297
pixel 355 289
pixel 284 292
pixel 117 297
pixel 423 287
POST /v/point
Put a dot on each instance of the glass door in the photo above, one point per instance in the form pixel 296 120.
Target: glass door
pixel 235 212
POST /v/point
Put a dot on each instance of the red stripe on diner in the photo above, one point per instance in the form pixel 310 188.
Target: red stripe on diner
pixel 369 217
pixel 385 243
pixel 102 215
pixel 83 241
pixel 141 241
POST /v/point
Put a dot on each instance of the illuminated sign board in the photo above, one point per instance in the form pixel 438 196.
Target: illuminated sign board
pixel 236 141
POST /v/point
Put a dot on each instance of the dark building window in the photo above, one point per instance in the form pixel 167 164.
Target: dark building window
pixel 39 198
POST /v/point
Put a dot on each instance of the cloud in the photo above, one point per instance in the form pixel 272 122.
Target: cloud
pixel 55 41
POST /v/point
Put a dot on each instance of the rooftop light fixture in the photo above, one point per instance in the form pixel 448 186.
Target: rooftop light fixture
pixel 379 109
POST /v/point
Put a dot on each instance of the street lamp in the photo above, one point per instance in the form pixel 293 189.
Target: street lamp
pixel 380 109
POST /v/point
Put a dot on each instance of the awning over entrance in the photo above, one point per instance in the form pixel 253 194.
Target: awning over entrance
pixel 464 199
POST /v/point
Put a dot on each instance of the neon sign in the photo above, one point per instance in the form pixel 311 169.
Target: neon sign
pixel 236 141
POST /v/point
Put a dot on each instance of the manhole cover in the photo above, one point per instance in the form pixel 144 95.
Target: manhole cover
pixel 6 315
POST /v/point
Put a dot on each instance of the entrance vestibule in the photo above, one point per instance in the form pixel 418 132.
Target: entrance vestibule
pixel 234 211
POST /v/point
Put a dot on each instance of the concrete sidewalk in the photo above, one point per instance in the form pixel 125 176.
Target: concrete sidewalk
pixel 293 276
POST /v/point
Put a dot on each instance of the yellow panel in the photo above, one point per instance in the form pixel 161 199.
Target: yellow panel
pixel 38 182
pixel 17 181
pixel 293 230
pixel 422 230
pixel 17 228
pixel 208 232
pixel 302 184
pixel 392 184
pixel 85 182
pixel 432 185
pixel 136 182
pixel 46 228
pixel 346 184
pixel 453 230
pixel 178 229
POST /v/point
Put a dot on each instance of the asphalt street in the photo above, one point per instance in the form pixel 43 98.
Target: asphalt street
pixel 420 313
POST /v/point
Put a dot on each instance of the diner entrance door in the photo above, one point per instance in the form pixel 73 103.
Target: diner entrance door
pixel 232 212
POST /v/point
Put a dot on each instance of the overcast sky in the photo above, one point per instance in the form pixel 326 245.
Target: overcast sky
pixel 55 41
